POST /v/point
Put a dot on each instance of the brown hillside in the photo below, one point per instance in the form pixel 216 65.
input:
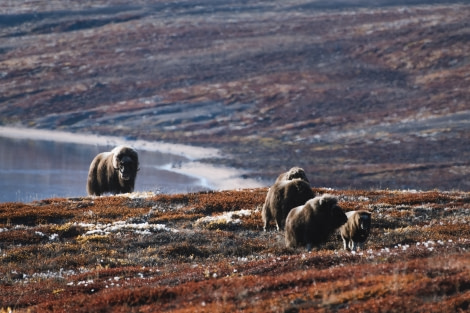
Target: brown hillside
pixel 206 252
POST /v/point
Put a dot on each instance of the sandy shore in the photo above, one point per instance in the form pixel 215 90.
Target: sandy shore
pixel 189 152
pixel 214 177
pixel 218 178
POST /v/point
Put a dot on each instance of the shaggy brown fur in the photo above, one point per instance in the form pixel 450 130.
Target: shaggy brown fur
pixel 355 232
pixel 311 224
pixel 113 172
pixel 281 198
pixel 293 173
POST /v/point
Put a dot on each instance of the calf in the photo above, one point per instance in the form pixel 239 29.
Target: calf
pixel 355 232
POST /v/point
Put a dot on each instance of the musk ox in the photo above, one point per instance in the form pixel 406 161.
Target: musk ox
pixel 355 232
pixel 293 173
pixel 312 223
pixel 113 172
pixel 281 198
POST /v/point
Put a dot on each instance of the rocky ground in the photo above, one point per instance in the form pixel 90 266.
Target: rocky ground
pixel 207 252
pixel 362 94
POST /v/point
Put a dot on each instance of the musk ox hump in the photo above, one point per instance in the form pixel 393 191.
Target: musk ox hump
pixel 293 173
pixel 325 202
pixel 121 152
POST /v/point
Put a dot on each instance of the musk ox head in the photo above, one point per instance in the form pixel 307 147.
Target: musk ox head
pixel 126 161
pixel 364 221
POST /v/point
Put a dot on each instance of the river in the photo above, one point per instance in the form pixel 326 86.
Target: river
pixel 34 168
pixel 38 169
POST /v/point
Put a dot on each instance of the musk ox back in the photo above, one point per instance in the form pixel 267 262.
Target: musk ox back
pixel 311 224
pixel 356 230
pixel 281 198
pixel 113 172
pixel 293 173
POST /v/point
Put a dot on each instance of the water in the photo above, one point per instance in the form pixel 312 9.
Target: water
pixel 39 169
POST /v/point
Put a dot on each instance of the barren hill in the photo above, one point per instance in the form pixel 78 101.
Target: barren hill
pixel 207 252
pixel 362 94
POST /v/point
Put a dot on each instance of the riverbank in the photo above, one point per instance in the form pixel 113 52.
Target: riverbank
pixel 187 151
pixel 56 165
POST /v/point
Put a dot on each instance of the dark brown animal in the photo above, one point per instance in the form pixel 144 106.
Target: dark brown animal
pixel 311 224
pixel 355 232
pixel 281 198
pixel 293 173
pixel 113 172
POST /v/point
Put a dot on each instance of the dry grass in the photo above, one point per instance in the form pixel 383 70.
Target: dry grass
pixel 206 252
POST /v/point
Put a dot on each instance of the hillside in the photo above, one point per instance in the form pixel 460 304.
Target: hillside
pixel 366 94
pixel 206 252
pixel 371 98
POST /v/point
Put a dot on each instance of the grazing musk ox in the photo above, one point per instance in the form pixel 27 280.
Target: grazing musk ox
pixel 311 224
pixel 281 198
pixel 355 232
pixel 113 172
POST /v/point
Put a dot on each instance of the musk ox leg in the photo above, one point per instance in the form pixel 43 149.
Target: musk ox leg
pixel 290 239
pixel 361 246
pixel 290 242
pixel 280 220
pixel 345 244
pixel 353 246
pixel 266 217
pixel 309 247
pixel 265 226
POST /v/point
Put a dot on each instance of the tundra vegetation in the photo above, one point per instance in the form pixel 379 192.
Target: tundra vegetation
pixel 207 252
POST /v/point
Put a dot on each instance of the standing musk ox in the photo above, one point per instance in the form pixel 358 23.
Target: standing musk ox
pixel 113 172
pixel 355 232
pixel 281 198
pixel 290 189
pixel 293 173
pixel 311 224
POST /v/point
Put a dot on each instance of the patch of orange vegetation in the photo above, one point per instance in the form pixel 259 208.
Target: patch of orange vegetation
pixel 52 258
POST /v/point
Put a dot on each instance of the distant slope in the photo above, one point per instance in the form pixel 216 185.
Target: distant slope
pixel 361 94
